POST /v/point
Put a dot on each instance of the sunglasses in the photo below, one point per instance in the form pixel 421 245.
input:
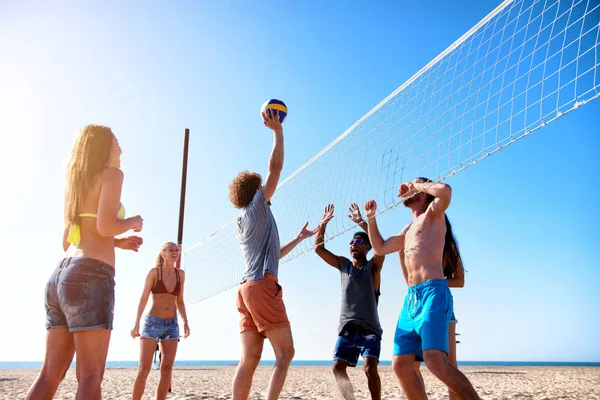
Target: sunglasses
pixel 357 241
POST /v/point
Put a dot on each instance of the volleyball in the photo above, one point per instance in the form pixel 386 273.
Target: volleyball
pixel 275 105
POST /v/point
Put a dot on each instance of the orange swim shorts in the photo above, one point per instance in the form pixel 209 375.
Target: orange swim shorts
pixel 260 303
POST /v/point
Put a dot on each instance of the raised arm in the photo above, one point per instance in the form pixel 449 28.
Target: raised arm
pixel 377 261
pixel 320 249
pixel 108 206
pixel 356 217
pixel 181 306
pixel 441 192
pixel 305 233
pixel 380 246
pixel 276 159
pixel 148 285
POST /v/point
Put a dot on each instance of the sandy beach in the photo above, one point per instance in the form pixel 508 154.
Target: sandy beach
pixel 543 383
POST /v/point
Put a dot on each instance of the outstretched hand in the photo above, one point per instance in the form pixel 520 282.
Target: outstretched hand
pixel 354 214
pixel 327 215
pixel 370 208
pixel 271 120
pixel 305 233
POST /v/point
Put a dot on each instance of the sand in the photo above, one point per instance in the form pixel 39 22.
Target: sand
pixel 543 383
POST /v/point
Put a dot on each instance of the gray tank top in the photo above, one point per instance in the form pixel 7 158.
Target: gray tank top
pixel 359 300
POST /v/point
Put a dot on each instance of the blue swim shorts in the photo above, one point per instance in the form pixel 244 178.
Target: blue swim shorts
pixel 424 319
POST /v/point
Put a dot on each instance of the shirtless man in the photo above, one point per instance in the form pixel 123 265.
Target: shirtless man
pixel 422 331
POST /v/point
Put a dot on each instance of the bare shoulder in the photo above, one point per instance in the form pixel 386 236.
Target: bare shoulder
pixel 181 274
pixel 112 175
pixel 153 273
pixel 343 259
pixel 405 229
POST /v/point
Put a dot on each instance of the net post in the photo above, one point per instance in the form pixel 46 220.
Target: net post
pixel 186 142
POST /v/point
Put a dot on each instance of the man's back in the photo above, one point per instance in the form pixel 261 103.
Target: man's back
pixel 256 231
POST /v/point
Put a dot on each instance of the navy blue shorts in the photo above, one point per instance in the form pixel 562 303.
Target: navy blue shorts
pixel 80 295
pixel 355 341
pixel 160 329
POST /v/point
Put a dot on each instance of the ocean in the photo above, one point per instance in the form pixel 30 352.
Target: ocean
pixel 304 363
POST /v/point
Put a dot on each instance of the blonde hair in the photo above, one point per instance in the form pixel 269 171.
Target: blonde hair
pixel 89 157
pixel 160 259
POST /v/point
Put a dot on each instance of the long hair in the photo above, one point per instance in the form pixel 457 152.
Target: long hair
pixel 89 157
pixel 451 259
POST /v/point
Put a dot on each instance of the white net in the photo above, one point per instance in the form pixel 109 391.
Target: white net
pixel 523 66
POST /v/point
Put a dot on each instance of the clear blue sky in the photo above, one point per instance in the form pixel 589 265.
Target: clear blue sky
pixel 526 218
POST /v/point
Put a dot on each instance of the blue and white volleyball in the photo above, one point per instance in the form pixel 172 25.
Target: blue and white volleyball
pixel 275 105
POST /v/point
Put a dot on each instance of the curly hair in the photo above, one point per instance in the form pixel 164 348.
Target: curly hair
pixel 243 188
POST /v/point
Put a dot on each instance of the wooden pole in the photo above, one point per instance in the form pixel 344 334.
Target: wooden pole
pixel 186 143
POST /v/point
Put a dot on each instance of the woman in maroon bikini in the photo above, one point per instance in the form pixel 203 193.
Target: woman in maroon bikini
pixel 165 282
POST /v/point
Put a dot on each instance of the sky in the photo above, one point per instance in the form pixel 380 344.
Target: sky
pixel 526 218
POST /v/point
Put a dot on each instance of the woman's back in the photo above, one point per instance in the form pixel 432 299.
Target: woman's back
pixel 80 293
pixel 91 243
pixel 93 211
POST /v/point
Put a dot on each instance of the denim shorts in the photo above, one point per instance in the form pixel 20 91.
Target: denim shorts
pixel 80 295
pixel 160 329
pixel 355 341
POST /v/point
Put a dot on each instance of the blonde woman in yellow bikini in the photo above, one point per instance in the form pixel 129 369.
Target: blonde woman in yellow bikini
pixel 80 294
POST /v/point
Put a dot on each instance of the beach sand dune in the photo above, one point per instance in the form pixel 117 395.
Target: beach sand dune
pixel 303 383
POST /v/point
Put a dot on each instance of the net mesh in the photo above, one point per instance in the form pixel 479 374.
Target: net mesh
pixel 523 66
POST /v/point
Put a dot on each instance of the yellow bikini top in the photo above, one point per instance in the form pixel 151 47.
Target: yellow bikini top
pixel 75 231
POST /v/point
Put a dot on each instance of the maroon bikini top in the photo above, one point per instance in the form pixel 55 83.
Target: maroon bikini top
pixel 160 287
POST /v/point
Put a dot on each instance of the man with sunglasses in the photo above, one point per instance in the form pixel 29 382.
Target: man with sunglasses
pixel 359 331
